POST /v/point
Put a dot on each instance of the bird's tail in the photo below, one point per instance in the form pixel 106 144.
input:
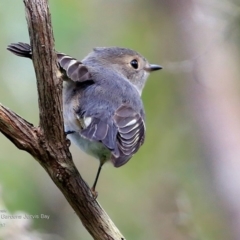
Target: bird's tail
pixel 20 49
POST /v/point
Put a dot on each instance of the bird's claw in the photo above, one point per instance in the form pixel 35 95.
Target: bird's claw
pixel 94 193
pixel 69 132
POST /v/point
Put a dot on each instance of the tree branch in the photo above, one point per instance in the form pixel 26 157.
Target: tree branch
pixel 49 86
pixel 47 143
pixel 17 130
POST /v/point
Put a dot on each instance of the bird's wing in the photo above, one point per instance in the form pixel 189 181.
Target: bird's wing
pixel 130 136
pixel 122 135
pixel 98 127
pixel 72 68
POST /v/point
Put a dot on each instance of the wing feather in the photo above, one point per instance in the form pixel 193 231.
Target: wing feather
pixel 131 133
pixel 123 134
pixel 72 68
pixel 101 129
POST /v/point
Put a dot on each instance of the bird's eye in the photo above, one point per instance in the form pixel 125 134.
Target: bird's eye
pixel 134 63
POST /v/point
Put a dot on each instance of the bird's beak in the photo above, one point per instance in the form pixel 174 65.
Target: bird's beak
pixel 154 67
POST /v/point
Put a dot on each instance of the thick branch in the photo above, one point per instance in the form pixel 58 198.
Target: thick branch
pixel 47 144
pixel 17 130
pixel 44 56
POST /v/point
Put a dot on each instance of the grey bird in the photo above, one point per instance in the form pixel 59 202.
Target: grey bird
pixel 102 107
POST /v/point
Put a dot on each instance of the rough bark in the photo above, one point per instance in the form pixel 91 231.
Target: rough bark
pixel 47 143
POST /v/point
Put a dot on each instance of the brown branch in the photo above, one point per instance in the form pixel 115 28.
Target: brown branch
pixel 47 143
pixel 17 130
pixel 49 86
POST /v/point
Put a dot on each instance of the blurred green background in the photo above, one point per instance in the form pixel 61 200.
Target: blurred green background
pixel 166 191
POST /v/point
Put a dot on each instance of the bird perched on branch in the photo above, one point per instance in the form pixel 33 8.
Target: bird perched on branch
pixel 102 107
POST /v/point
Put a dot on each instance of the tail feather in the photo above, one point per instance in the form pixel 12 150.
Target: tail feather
pixel 20 49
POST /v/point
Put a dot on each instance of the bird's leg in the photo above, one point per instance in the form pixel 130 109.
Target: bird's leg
pixel 95 194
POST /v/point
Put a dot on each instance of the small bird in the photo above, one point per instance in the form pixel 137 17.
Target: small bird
pixel 102 107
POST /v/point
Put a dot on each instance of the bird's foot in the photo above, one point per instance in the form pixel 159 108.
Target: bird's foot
pixel 69 132
pixel 94 193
